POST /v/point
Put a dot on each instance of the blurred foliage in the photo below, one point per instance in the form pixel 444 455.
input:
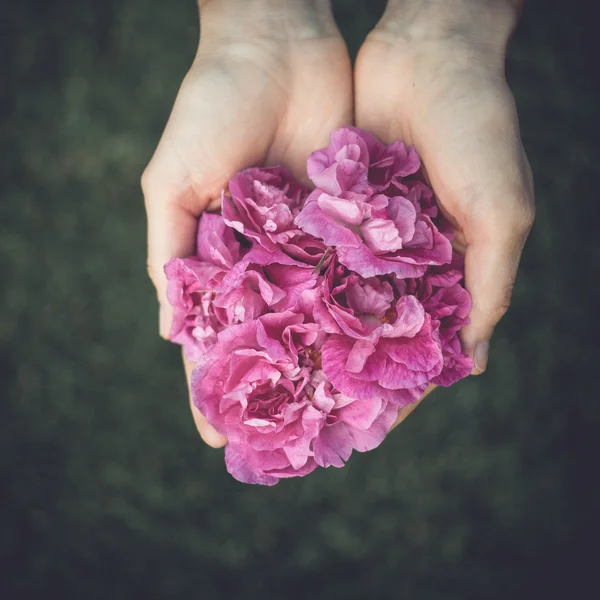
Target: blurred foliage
pixel 489 491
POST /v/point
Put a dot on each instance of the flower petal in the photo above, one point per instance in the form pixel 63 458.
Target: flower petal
pixel 333 446
pixel 381 235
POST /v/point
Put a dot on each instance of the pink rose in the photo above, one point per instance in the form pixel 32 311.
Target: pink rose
pixel 350 424
pixel 191 290
pixel 372 205
pixel 265 280
pixel 389 165
pixel 346 303
pixel 356 161
pixel 262 388
pixel 382 343
pixel 396 362
pixel 376 235
pixel 391 338
pixel 342 166
pixel 446 300
pixel 193 283
pixel 262 205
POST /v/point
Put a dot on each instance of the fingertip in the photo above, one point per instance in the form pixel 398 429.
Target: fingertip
pixel 171 233
pixel 211 436
pixel 207 432
pixel 490 272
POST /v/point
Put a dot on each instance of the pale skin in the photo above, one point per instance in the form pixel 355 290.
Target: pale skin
pixel 272 79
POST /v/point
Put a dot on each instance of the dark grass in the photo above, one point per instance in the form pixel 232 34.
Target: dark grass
pixel 489 491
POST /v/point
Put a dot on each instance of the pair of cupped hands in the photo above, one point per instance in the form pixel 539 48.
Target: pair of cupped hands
pixel 272 79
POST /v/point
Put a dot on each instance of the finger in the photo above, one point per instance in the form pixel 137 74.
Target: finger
pixel 491 264
pixel 172 213
pixel 171 233
pixel 182 179
pixel 407 410
pixel 207 432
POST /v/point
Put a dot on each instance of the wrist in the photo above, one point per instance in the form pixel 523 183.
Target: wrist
pixel 270 19
pixel 480 23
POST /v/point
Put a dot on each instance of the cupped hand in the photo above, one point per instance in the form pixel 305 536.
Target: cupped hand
pixel 268 85
pixel 447 95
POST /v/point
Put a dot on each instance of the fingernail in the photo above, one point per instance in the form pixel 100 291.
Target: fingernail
pixel 480 357
pixel 163 322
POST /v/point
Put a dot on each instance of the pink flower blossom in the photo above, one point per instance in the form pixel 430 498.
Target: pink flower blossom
pixel 350 424
pixel 389 165
pixel 342 166
pixel 193 283
pixel 262 205
pixel 391 338
pixel 381 344
pixel 314 316
pixel 263 389
pixel 374 233
pixel 356 161
pixel 446 300
pixel 346 303
pixel 264 281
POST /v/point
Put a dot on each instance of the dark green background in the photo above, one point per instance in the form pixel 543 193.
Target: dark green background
pixel 489 491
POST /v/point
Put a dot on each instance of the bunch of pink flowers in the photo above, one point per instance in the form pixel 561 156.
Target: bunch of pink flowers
pixel 315 315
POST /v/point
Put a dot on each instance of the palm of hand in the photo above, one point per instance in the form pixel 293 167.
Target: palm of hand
pixel 460 116
pixel 249 104
pixel 455 107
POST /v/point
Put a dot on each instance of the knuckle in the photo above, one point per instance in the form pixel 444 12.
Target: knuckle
pixel 516 219
pixel 523 217
pixel 528 215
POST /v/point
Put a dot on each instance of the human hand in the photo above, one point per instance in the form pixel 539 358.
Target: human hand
pixel 270 81
pixel 432 74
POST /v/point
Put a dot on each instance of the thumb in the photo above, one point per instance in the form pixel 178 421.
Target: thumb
pixel 491 264
pixel 172 228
